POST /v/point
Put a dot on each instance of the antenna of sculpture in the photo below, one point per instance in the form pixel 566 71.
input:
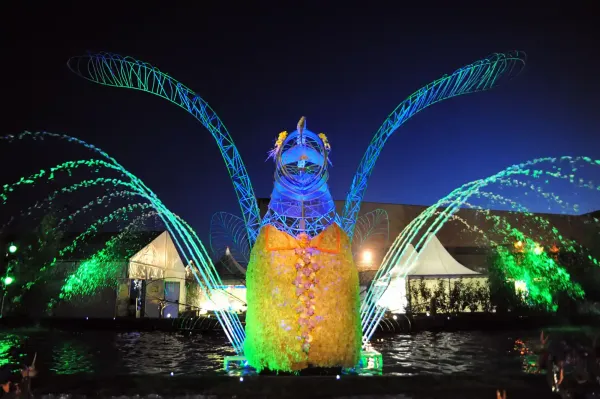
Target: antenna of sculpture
pixel 302 284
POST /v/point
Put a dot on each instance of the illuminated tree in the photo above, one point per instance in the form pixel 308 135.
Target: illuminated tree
pixel 528 275
pixel 35 251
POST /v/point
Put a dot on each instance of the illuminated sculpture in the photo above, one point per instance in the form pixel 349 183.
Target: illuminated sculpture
pixel 126 72
pixel 302 284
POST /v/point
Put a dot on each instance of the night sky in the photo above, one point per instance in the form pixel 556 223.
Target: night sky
pixel 344 68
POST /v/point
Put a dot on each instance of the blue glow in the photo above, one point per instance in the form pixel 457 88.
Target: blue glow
pixel 300 201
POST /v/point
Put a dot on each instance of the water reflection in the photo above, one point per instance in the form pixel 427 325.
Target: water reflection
pixel 529 358
pixel 156 353
pixel 9 345
pixel 111 353
pixel 71 357
pixel 450 353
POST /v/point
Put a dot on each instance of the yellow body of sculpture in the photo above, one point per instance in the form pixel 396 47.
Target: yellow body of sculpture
pixel 303 301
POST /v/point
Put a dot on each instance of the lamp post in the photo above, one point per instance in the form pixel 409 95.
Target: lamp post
pixel 11 252
pixel 6 281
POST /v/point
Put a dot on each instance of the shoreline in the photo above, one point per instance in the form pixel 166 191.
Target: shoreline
pixel 437 323
pixel 423 386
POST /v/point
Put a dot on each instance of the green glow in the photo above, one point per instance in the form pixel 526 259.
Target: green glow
pixel 96 272
pixel 8 280
pixel 183 236
pixel 542 276
pixel 433 218
pixel 12 248
pixel 105 267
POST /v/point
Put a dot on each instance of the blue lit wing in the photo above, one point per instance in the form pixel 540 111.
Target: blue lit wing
pixel 479 76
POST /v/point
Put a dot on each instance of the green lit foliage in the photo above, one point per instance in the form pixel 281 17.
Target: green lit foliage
pixel 106 267
pixel 545 280
pixel 35 250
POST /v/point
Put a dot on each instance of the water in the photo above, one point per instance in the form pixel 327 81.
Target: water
pixel 155 353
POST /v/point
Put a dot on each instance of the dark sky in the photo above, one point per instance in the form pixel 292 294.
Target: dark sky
pixel 345 68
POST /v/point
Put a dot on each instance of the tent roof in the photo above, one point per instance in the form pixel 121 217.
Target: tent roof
pixel 158 259
pixel 434 260
pixel 230 271
pixel 400 266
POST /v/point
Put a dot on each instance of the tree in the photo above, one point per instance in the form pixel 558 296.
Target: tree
pixel 543 278
pixel 455 297
pixel 28 294
pixel 440 298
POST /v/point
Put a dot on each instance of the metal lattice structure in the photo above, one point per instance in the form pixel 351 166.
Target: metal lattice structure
pixel 371 225
pixel 125 72
pixel 479 76
pixel 300 200
pixel 229 231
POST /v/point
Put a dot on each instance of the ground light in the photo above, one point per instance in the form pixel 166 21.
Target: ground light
pixel 8 280
pixel 12 248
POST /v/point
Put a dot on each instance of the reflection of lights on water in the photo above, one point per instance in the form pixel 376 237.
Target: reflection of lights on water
pixel 8 343
pixel 529 357
pixel 70 358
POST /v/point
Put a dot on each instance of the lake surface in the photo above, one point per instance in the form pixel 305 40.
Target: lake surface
pixel 156 353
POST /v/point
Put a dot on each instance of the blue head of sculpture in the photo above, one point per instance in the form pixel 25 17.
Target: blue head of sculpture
pixel 300 201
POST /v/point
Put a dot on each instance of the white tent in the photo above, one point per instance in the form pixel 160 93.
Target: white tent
pixel 157 260
pixel 160 265
pixel 395 297
pixel 435 261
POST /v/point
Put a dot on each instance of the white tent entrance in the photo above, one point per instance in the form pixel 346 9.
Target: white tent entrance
pixel 157 278
pixel 395 297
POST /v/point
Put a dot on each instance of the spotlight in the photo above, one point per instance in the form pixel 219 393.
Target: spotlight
pixel 367 256
pixel 337 377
